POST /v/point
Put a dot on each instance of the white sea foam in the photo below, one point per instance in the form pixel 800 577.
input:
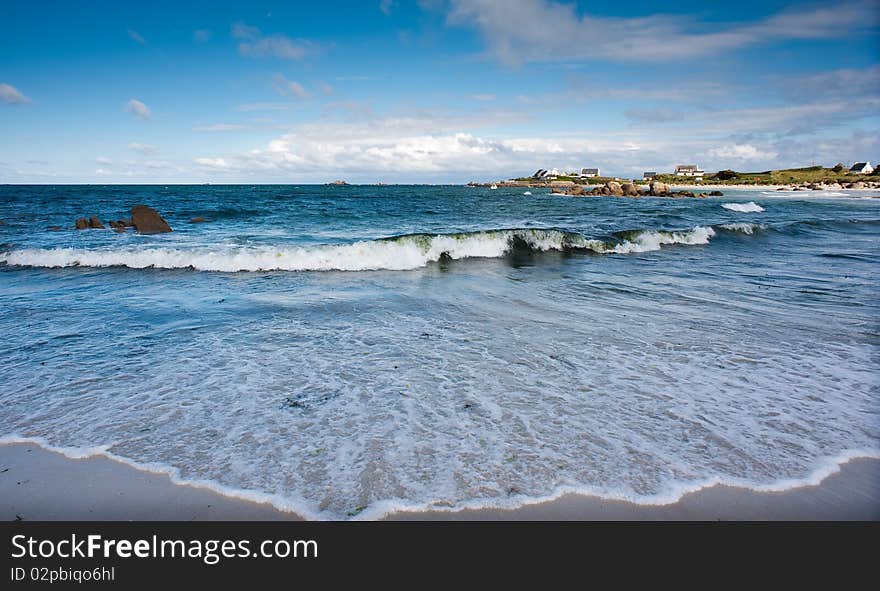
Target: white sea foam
pixel 397 254
pixel 649 240
pixel 750 207
pixel 674 492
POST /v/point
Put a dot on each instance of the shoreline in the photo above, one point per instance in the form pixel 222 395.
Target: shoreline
pixel 38 483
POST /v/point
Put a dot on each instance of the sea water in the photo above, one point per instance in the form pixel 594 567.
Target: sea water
pixel 347 351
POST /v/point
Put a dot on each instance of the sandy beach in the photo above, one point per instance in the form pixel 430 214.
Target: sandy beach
pixel 38 484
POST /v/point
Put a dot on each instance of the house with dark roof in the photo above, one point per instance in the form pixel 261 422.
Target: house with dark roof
pixel 862 168
pixel 589 172
pixel 647 176
pixel 689 170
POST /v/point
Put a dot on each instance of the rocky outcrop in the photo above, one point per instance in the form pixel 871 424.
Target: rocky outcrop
pixel 147 220
pixel 198 220
pixel 716 194
pixel 576 190
pixel 630 190
pixel 614 188
pixel 95 222
pixel 82 223
pixel 658 189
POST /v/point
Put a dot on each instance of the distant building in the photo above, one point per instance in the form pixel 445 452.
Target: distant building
pixel 862 168
pixel 689 170
pixel 589 173
pixel 647 176
pixel 541 173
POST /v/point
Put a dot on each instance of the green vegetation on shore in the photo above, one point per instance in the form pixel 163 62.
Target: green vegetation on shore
pixel 790 176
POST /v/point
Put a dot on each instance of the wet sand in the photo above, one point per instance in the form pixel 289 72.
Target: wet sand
pixel 38 484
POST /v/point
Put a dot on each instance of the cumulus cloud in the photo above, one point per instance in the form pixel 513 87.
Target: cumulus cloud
pixel 138 109
pixel 11 95
pixel 212 162
pixel 359 144
pixel 103 160
pixel 741 152
pixel 142 148
pixel 289 88
pixel 253 43
pixel 547 30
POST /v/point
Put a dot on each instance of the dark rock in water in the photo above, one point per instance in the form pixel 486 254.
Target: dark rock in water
pixel 147 220
pixel 716 194
pixel 2 223
pixel 82 223
pixel 116 224
pixel 55 228
pixel 198 220
pixel 576 190
pixel 94 222
pixel 119 229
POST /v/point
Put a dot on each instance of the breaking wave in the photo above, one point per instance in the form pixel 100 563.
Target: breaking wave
pixel 397 253
pixel 750 207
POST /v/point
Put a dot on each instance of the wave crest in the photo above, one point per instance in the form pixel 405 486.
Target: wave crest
pixel 750 207
pixel 398 253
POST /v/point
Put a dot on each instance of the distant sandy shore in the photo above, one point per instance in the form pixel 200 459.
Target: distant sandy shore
pixel 37 484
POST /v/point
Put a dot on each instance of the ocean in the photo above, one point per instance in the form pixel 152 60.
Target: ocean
pixel 349 351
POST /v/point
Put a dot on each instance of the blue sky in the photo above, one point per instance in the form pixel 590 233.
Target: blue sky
pixel 429 90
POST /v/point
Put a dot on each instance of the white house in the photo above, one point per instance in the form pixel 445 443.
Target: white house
pixel 689 170
pixel 862 168
pixel 589 173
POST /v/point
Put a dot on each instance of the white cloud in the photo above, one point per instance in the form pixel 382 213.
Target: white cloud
pixel 289 88
pixel 252 43
pixel 138 109
pixel 135 36
pixel 361 145
pixel 547 30
pixel 212 162
pixel 10 94
pixel 483 97
pixel 385 6
pixel 103 171
pixel 142 148
pixel 742 152
pixel 325 88
pixel 103 160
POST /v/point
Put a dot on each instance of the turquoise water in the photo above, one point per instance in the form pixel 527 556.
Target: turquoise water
pixel 345 351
